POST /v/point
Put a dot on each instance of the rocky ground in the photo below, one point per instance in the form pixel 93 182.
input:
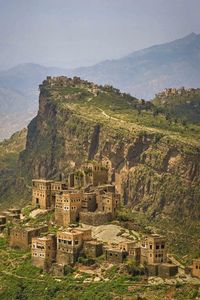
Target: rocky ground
pixel 112 234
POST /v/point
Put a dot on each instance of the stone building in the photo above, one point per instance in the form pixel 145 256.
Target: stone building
pixel 93 248
pixel 153 249
pixel 41 193
pixel 21 237
pixel 95 173
pixel 108 203
pixel 14 210
pixel 115 255
pixel 44 192
pixel 67 207
pixel 166 270
pixel 105 188
pixel 43 251
pixel 11 217
pixel 196 267
pixel 76 180
pixel 132 249
pixel 12 214
pixel 70 243
pixel 163 270
pixel 92 173
pixel 89 202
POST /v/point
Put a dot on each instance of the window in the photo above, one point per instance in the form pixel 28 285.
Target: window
pixel 157 247
pixel 76 242
pixel 150 246
pixel 162 246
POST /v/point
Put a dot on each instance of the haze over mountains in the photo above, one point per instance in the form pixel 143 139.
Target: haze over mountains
pixel 142 73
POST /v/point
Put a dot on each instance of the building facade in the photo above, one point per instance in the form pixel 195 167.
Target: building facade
pixel 67 208
pixel 196 267
pixel 21 237
pixel 43 251
pixel 70 243
pixel 44 192
pixel 153 249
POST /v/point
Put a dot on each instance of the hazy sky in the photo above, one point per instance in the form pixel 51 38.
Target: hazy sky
pixel 70 33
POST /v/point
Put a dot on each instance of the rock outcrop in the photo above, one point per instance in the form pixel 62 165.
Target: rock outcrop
pixel 155 173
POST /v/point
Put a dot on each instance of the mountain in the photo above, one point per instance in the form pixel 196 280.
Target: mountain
pixel 142 73
pixel 155 163
pixel 16 111
pixel 26 77
pixel 19 94
pixel 146 72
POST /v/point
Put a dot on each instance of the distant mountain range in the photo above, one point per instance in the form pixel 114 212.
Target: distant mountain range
pixel 142 73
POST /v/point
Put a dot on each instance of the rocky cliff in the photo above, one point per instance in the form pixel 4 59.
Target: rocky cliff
pixel 157 171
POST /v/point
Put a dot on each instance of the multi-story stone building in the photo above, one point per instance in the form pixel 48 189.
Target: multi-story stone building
pixel 44 192
pixel 153 249
pixel 21 237
pixel 70 243
pixel 89 202
pixel 108 203
pixel 43 251
pixel 67 207
pixel 70 205
pixel 93 173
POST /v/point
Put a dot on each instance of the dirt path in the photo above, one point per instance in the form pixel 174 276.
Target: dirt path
pixel 21 277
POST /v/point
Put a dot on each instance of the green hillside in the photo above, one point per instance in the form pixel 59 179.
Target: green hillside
pixel 11 185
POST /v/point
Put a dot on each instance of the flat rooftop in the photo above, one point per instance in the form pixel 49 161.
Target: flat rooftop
pixel 43 180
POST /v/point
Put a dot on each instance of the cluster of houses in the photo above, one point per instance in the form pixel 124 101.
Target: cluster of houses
pixel 177 91
pixel 87 197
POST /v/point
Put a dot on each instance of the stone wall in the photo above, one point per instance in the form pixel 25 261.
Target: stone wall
pixel 64 258
pixel 93 249
pixel 167 270
pixel 95 218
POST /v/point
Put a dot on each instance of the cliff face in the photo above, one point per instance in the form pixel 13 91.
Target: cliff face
pixel 155 173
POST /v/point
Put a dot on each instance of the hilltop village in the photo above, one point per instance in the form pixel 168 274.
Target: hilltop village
pixel 87 198
pixel 177 91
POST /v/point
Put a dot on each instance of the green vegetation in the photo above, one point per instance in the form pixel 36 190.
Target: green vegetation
pixel 20 280
pixel 110 104
pixel 12 186
pixel 182 235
